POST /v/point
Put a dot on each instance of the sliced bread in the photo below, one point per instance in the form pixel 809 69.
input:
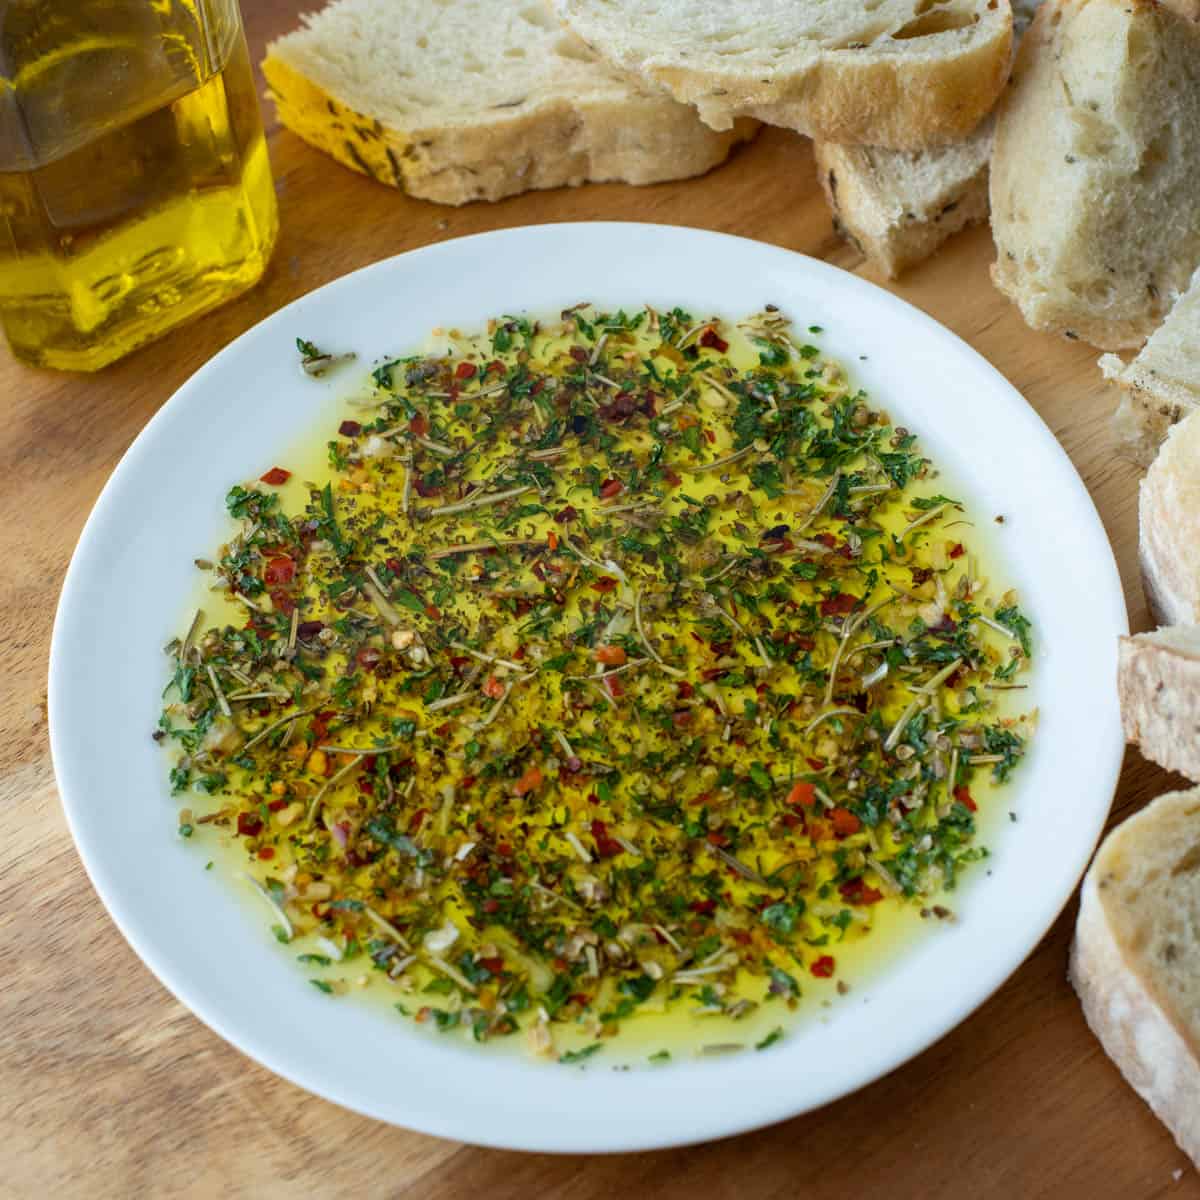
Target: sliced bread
pixel 1169 527
pixel 1159 684
pixel 899 206
pixel 477 99
pixel 1135 961
pixel 1096 168
pixel 898 73
pixel 1162 384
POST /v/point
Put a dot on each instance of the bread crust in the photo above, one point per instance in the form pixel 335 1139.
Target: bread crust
pixel 1155 1058
pixel 1169 527
pixel 1158 681
pixel 892 235
pixel 1148 407
pixel 896 100
pixel 640 140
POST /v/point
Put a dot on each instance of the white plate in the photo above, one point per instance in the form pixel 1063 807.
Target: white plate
pixel 132 574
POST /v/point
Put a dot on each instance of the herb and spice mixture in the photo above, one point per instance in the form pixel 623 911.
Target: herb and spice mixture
pixel 624 663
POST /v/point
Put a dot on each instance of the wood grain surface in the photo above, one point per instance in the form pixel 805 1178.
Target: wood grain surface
pixel 109 1088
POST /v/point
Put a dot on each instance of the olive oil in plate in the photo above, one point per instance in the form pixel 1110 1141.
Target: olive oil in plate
pixel 135 190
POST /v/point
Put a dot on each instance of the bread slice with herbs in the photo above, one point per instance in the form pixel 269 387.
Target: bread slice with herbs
pixel 1135 961
pixel 897 73
pixel 1169 527
pixel 899 206
pixel 466 100
pixel 1096 168
pixel 1162 384
pixel 1159 684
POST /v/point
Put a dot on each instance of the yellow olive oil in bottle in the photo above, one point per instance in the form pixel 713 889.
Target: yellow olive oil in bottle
pixel 135 190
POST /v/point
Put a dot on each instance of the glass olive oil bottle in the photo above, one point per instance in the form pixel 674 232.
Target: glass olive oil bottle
pixel 135 190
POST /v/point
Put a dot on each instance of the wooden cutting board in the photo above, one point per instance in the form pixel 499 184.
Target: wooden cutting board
pixel 108 1088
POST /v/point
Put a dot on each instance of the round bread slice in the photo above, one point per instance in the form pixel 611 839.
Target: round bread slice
pixel 1135 961
pixel 464 100
pixel 1096 168
pixel 897 73
pixel 1169 527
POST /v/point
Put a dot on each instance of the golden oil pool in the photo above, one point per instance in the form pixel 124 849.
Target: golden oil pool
pixel 135 190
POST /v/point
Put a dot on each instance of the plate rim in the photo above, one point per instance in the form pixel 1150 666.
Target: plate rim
pixel 198 1005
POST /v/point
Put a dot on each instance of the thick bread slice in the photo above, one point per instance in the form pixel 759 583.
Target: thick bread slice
pixel 898 73
pixel 899 206
pixel 1135 961
pixel 1162 385
pixel 1096 168
pixel 1159 685
pixel 1169 527
pixel 477 99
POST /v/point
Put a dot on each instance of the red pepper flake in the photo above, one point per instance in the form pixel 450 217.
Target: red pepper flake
pixel 458 661
pixel 802 795
pixel 282 601
pixel 610 488
pixel 823 967
pixel 612 685
pixel 419 425
pixel 504 849
pixel 249 824
pixel 276 805
pixel 963 796
pixel 529 781
pixel 496 367
pixel 579 354
pixel 791 821
pixel 685 691
pixel 611 656
pixel 826 539
pixel 839 605
pixel 417 819
pixel 276 477
pixel 670 478
pixel 606 583
pixel 705 908
pixel 465 370
pixel 716 839
pixel 566 514
pixel 854 891
pixel 368 657
pixel 709 436
pixel 350 428
pixel 493 963
pixel 493 687
pixel 956 551
pixel 606 847
pixel 713 341
pixel 817 764
pixel 845 822
pixel 279 571
pixel 266 852
pixel 467 781
pixel 681 718
pixel 425 490
pixel 490 905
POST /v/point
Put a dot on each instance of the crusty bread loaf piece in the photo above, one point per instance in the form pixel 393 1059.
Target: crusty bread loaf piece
pixel 465 100
pixel 899 206
pixel 1135 961
pixel 1096 168
pixel 1162 384
pixel 898 73
pixel 1159 684
pixel 1169 527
